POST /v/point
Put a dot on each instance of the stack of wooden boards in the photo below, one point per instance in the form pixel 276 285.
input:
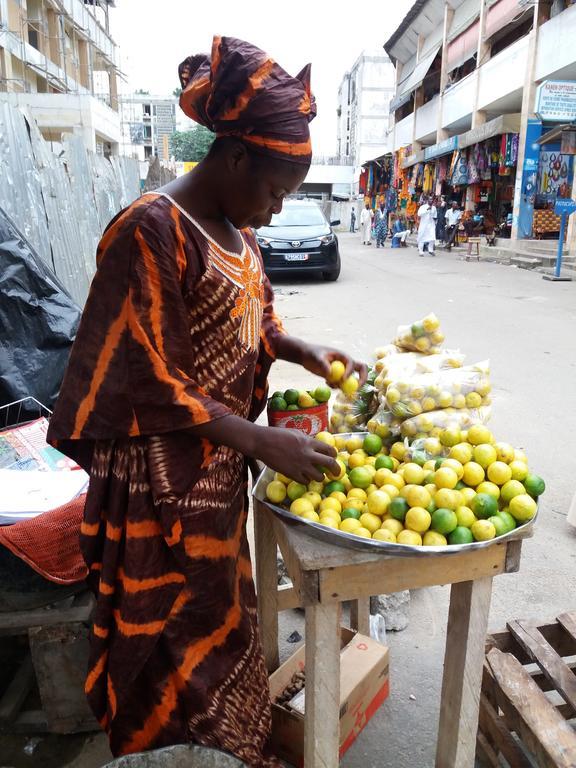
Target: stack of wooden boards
pixel 528 701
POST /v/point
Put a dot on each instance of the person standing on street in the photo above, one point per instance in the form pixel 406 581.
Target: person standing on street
pixel 353 220
pixel 399 231
pixel 453 216
pixel 441 220
pixel 427 227
pixel 381 225
pixel 159 402
pixel 366 225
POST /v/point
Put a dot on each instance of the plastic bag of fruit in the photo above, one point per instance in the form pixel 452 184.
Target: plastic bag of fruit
pixel 350 413
pixel 424 335
pixel 408 364
pixel 466 387
pixel 384 424
pixel 431 424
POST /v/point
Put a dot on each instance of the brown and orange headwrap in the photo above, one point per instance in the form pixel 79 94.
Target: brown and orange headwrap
pixel 240 91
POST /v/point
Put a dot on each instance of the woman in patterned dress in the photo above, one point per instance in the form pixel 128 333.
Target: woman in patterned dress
pixel 166 377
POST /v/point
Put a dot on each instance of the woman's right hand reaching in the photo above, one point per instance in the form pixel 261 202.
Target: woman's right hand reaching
pixel 296 455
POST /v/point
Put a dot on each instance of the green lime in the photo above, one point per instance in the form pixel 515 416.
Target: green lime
pixel 461 535
pixel 291 396
pixel 350 512
pixel 398 508
pixel 534 485
pixel 444 521
pixel 508 520
pixel 322 393
pixel 484 506
pixel 278 404
pixel 499 524
pixel 459 485
pixel 295 490
pixel 277 394
pixel 384 462
pixel 420 458
pixel 293 407
pixel 360 477
pixel 510 489
pixel 335 486
pixel 372 444
pixel 429 479
pixel 418 330
pixel 432 507
pixel 438 463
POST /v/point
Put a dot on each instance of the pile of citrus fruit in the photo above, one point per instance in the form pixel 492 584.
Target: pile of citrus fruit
pixel 457 488
pixel 422 336
pixel 298 399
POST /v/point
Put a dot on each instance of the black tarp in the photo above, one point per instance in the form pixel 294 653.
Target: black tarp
pixel 38 322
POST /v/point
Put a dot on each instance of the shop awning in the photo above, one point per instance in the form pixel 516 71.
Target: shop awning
pixel 445 147
pixel 554 135
pixel 496 127
pixel 415 79
pixel 417 157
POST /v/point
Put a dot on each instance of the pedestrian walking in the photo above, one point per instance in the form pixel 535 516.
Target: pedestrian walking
pixel 366 225
pixel 381 220
pixel 427 227
pixel 353 220
pixel 453 216
pixel 165 381
pixel 441 209
pixel 399 232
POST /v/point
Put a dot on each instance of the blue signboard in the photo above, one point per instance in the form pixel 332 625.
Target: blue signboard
pixel 442 148
pixel 564 206
pixel 526 183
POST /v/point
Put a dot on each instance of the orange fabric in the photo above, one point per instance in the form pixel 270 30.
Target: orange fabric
pixel 50 543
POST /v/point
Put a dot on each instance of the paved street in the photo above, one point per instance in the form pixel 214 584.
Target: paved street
pixel 526 327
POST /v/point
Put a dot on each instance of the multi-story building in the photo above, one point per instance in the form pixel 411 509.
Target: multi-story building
pixel 147 124
pixel 57 58
pixel 363 108
pixel 468 77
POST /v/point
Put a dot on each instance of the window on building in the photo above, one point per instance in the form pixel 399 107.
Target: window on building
pixel 511 32
pixel 147 151
pixel 146 110
pixel 147 131
pixel 404 110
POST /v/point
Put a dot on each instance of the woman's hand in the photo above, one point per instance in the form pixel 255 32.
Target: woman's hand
pixel 296 455
pixel 317 359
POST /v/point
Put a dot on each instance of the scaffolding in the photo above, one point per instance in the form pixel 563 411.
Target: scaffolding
pixel 35 32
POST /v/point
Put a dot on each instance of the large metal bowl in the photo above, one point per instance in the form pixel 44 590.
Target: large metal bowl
pixel 348 540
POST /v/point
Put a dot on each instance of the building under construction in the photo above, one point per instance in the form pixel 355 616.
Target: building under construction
pixel 58 59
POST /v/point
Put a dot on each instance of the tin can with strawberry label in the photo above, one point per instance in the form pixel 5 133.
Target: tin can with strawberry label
pixel 307 420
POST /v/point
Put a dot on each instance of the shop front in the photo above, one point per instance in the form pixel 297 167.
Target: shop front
pixel 477 169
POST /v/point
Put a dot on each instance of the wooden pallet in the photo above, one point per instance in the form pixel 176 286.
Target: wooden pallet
pixel 51 672
pixel 528 700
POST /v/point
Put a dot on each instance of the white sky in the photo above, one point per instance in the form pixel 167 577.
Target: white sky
pixel 155 35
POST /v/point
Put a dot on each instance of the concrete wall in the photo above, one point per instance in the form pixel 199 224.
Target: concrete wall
pixel 556 44
pixel 504 74
pixel 427 120
pixel 458 101
pixel 403 132
pixel 70 113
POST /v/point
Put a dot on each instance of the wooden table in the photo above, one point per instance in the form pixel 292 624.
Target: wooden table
pixel 324 576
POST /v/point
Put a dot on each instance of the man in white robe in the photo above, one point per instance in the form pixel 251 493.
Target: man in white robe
pixel 366 225
pixel 427 215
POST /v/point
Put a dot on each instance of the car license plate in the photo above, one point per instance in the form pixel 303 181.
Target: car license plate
pixel 296 256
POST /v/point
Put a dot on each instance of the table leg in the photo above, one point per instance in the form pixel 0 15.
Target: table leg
pixel 360 615
pixel 322 726
pixel 266 584
pixel 463 662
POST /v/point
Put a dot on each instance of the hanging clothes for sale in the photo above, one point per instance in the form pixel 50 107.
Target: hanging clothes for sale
pixel 428 178
pixel 362 186
pixel 473 174
pixel 460 175
pixel 503 169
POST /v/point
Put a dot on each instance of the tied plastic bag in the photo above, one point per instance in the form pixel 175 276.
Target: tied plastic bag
pixel 424 335
pixel 467 387
pixel 352 413
pixel 431 424
pixel 384 423
pixel 404 365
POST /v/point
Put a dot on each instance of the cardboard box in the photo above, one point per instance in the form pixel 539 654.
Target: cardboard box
pixel 364 685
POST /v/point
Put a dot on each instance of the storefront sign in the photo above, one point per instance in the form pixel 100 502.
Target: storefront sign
pixel 417 157
pixel 495 127
pixel 528 177
pixel 556 101
pixel 442 148
pixel 564 206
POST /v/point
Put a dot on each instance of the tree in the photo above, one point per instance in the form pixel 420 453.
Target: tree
pixel 191 146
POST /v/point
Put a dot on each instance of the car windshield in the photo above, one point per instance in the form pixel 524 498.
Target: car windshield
pixel 298 216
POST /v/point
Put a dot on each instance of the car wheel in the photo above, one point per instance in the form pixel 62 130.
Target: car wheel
pixel 332 276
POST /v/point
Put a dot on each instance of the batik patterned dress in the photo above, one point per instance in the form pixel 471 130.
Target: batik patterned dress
pixel 176 332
